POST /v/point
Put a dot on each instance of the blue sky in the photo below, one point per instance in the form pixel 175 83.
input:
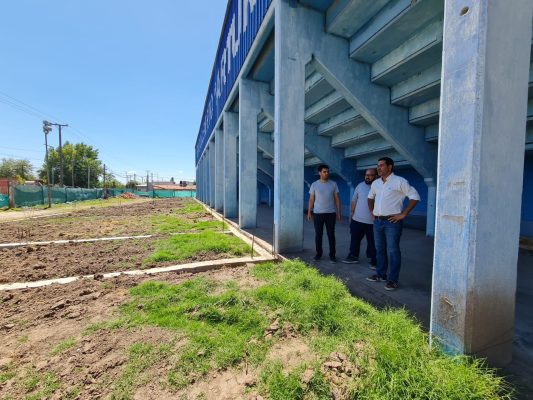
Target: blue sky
pixel 129 77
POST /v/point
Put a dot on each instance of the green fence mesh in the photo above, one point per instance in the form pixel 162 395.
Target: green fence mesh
pixel 27 196
pixel 4 200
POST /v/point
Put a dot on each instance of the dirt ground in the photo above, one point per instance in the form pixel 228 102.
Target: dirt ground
pixel 94 222
pixel 38 262
pixel 35 321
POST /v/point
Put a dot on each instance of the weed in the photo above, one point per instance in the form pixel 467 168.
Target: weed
pixel 141 356
pixel 64 345
pixel 7 372
pixel 46 384
pixel 172 224
pixel 23 339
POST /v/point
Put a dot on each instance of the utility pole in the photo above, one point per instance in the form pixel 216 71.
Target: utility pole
pixel 60 155
pixel 50 124
pixel 46 129
pixel 73 163
pixel 105 190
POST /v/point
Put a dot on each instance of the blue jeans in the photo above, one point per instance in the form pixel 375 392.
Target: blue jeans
pixel 387 237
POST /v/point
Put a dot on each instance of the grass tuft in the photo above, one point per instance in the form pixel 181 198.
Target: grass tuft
pixel 181 247
pixel 64 345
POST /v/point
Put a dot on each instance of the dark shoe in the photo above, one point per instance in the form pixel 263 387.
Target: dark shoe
pixel 317 257
pixel 372 265
pixel 350 260
pixel 375 278
pixel 391 286
pixel 333 260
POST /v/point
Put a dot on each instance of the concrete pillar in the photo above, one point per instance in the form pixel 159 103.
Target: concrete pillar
pixel 289 127
pixel 219 170
pixel 248 110
pixel 212 163
pixel 430 215
pixel 231 130
pixel 205 177
pixel 197 178
pixel 481 148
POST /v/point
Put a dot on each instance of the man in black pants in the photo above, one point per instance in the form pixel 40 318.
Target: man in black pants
pixel 362 222
pixel 325 206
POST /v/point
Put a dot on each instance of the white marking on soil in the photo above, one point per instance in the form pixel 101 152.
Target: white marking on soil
pixel 201 266
pixel 8 245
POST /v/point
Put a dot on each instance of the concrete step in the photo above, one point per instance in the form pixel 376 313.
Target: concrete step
pixel 340 122
pixel 360 133
pixel 415 55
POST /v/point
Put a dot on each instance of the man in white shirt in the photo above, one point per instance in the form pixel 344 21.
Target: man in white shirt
pixel 385 201
pixel 361 222
pixel 325 204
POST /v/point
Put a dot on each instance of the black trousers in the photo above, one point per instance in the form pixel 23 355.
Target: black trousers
pixel 329 220
pixel 358 230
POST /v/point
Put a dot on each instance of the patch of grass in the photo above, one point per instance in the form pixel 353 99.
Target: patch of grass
pixel 47 384
pixel 23 339
pixel 191 207
pixel 7 372
pixel 391 350
pixel 141 356
pixel 64 345
pixel 280 385
pixel 174 224
pixel 181 247
pixel 224 325
pixel 72 393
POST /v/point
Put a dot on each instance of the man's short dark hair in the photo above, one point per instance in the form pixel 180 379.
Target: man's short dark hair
pixel 323 166
pixel 388 161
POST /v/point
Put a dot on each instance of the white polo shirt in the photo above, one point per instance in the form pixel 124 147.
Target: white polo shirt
pixel 389 195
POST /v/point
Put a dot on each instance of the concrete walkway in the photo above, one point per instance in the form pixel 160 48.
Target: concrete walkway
pixel 414 292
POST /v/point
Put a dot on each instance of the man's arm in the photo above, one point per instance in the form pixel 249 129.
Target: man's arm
pixel 352 209
pixel 338 205
pixel 310 205
pixel 371 206
pixel 404 213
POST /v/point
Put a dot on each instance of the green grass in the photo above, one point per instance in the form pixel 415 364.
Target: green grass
pixel 39 385
pixel 224 325
pixel 141 356
pixel 191 207
pixel 181 247
pixel 64 345
pixel 7 372
pixel 174 224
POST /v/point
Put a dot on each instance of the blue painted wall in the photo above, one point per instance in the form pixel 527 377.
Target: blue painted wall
pixel 527 197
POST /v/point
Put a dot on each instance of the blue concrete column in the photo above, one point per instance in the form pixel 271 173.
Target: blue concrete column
pixel 219 170
pixel 231 130
pixel 212 163
pixel 248 110
pixel 430 214
pixel 206 176
pixel 290 57
pixel 481 146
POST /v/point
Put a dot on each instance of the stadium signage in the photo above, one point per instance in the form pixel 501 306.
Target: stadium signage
pixel 242 22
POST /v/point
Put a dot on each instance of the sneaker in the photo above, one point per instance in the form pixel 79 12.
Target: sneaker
pixel 375 278
pixel 372 266
pixel 391 286
pixel 350 260
pixel 317 257
pixel 333 260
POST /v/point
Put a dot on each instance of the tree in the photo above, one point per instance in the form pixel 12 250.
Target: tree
pixel 16 169
pixel 132 184
pixel 80 161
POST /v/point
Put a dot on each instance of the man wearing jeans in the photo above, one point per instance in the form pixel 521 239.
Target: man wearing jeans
pixel 361 222
pixel 385 201
pixel 325 204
